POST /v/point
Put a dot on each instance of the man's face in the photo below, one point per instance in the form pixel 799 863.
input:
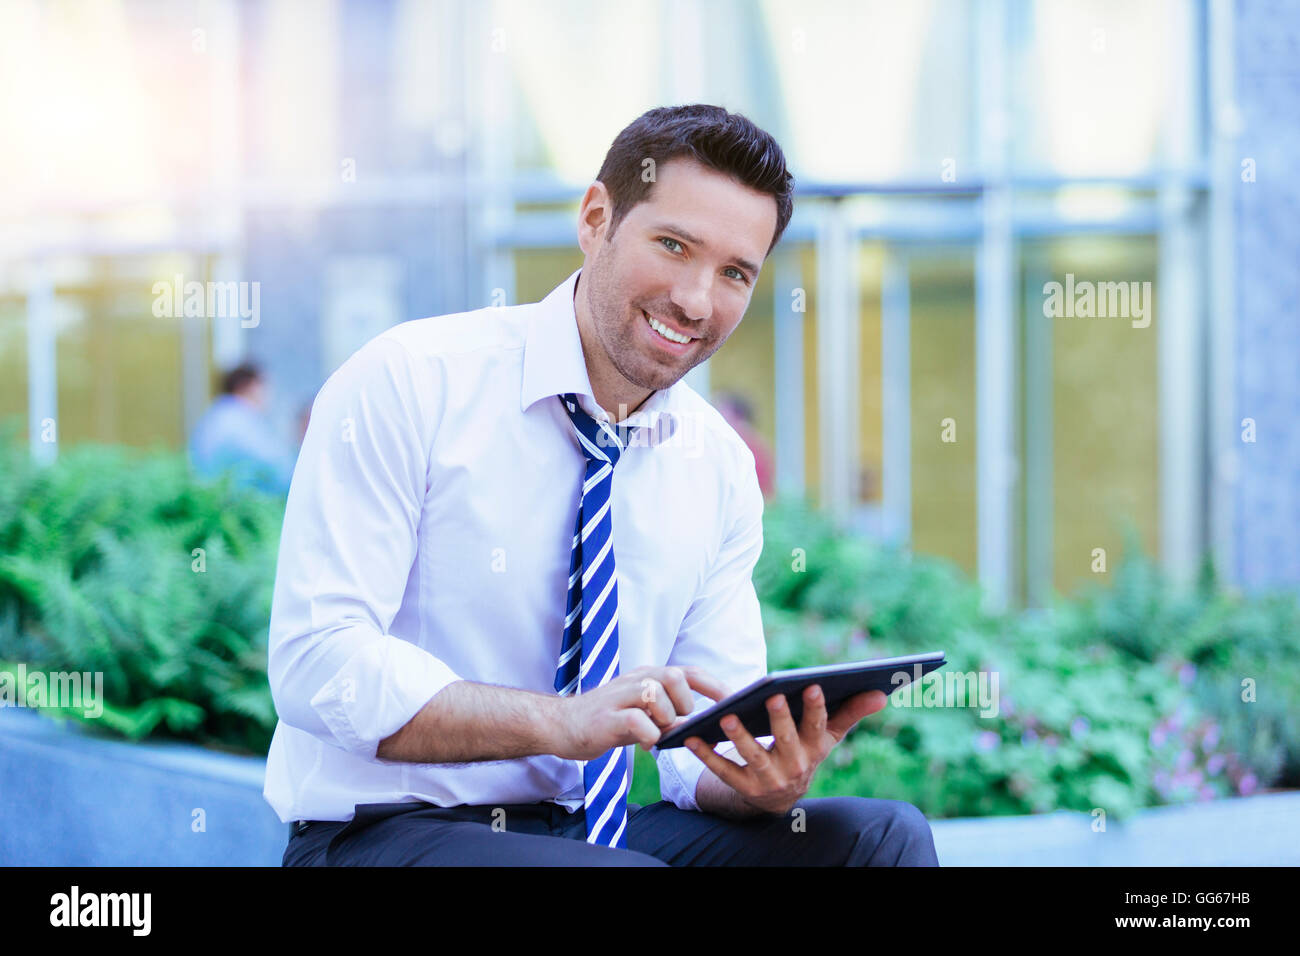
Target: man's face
pixel 687 257
pixel 255 393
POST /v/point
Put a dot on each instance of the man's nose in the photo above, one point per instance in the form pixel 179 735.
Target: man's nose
pixel 694 298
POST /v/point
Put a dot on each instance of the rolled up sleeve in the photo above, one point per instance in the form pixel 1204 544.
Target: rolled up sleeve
pixel 346 552
pixel 722 632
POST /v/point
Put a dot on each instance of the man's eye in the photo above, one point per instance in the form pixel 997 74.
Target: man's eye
pixel 666 240
pixel 739 275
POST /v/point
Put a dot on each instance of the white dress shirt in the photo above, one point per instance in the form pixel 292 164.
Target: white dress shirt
pixel 427 539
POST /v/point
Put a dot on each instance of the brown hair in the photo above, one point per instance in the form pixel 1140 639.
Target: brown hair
pixel 240 377
pixel 727 142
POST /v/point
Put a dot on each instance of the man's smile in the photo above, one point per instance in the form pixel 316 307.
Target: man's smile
pixel 668 337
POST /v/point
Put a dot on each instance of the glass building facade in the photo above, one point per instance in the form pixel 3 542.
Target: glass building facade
pixel 366 163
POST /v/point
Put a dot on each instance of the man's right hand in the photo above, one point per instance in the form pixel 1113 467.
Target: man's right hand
pixel 633 708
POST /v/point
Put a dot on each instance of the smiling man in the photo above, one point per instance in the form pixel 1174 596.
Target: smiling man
pixel 517 545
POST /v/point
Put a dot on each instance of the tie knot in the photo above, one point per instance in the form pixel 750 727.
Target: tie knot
pixel 600 441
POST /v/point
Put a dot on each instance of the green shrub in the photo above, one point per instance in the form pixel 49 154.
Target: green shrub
pixel 122 563
pixel 1124 697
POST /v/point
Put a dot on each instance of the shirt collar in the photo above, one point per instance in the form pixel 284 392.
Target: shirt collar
pixel 554 364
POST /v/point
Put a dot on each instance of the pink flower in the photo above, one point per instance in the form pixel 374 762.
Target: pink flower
pixel 858 641
pixel 1187 674
pixel 1158 736
pixel 1185 758
pixel 1029 736
pixel 1079 728
pixel 1207 792
pixel 1211 738
pixel 1247 785
pixel 987 740
pixel 1214 764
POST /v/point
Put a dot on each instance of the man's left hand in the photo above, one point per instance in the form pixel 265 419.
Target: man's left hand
pixel 775 778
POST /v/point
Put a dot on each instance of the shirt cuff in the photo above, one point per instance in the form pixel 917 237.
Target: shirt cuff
pixel 679 772
pixel 377 692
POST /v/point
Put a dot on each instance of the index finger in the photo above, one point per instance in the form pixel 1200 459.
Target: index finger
pixel 673 680
pixel 705 683
pixel 678 682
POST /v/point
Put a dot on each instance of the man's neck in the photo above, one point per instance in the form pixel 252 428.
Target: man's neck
pixel 611 389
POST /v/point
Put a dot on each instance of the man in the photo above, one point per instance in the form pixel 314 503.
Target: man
pixel 458 670
pixel 233 435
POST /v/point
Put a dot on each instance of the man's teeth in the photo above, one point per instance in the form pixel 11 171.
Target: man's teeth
pixel 668 333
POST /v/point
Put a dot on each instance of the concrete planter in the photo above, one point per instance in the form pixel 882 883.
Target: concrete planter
pixel 70 799
pixel 1261 830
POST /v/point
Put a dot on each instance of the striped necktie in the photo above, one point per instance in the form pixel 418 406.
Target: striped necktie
pixel 589 655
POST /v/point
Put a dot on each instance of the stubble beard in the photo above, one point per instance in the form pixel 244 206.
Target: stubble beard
pixel 618 333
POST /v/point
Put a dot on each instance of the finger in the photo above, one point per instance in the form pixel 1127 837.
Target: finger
pixel 728 771
pixel 757 757
pixel 678 688
pixel 653 700
pixel 853 710
pixel 706 683
pixel 639 728
pixel 813 725
pixel 786 735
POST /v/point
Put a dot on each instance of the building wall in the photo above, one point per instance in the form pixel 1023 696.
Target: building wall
pixel 1267 333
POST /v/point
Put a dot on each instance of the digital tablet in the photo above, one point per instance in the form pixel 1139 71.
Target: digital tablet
pixel 838 682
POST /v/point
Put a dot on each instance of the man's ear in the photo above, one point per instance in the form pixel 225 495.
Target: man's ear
pixel 594 217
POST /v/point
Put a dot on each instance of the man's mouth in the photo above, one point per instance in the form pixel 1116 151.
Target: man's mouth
pixel 665 333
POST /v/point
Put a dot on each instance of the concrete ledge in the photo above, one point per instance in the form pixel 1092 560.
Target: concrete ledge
pixel 1248 831
pixel 71 799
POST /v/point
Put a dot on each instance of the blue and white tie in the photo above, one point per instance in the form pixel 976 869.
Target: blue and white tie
pixel 589 654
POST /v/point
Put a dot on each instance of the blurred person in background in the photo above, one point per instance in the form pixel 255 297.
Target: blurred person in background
pixel 303 420
pixel 739 414
pixel 234 435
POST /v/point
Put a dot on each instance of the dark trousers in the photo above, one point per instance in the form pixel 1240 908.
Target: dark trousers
pixel 830 831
